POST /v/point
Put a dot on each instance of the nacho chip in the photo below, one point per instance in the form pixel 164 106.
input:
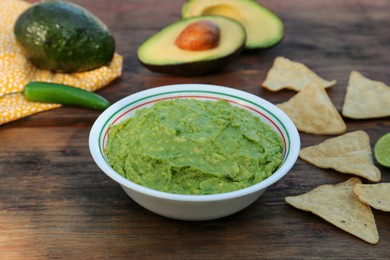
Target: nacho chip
pixel 366 98
pixel 338 205
pixel 375 195
pixel 313 112
pixel 349 153
pixel 285 73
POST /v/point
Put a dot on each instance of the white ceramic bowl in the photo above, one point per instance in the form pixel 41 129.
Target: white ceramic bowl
pixel 194 207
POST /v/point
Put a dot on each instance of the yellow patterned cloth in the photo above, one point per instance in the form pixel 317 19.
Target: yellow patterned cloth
pixel 16 71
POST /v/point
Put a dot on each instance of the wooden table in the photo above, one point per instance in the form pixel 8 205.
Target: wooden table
pixel 56 203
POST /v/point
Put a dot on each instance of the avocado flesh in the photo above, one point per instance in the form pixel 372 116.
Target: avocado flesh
pixel 159 53
pixel 63 37
pixel 264 28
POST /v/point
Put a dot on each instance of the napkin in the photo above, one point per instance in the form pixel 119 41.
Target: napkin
pixel 16 71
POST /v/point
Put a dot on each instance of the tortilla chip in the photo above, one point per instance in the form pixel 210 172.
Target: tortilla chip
pixel 285 73
pixel 313 112
pixel 366 98
pixel 349 153
pixel 375 195
pixel 338 205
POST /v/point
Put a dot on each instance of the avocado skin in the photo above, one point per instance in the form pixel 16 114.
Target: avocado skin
pixel 198 68
pixel 63 37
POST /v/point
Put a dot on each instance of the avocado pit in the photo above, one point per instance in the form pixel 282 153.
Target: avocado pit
pixel 199 36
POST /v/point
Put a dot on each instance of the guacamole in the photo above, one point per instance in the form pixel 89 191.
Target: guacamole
pixel 189 146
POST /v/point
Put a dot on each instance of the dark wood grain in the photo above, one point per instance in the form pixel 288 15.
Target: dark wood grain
pixel 56 203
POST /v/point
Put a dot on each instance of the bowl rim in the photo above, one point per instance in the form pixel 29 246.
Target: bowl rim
pixel 108 117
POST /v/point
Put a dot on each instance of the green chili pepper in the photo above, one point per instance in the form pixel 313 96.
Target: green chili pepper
pixel 63 94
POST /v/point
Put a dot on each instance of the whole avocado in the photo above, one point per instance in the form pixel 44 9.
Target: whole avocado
pixel 63 37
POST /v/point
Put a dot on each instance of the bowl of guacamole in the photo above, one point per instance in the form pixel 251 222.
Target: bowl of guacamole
pixel 194 151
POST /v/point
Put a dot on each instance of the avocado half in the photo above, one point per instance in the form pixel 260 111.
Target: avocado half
pixel 264 28
pixel 159 53
pixel 63 37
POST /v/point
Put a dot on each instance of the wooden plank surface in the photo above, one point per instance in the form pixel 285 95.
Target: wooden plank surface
pixel 56 203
